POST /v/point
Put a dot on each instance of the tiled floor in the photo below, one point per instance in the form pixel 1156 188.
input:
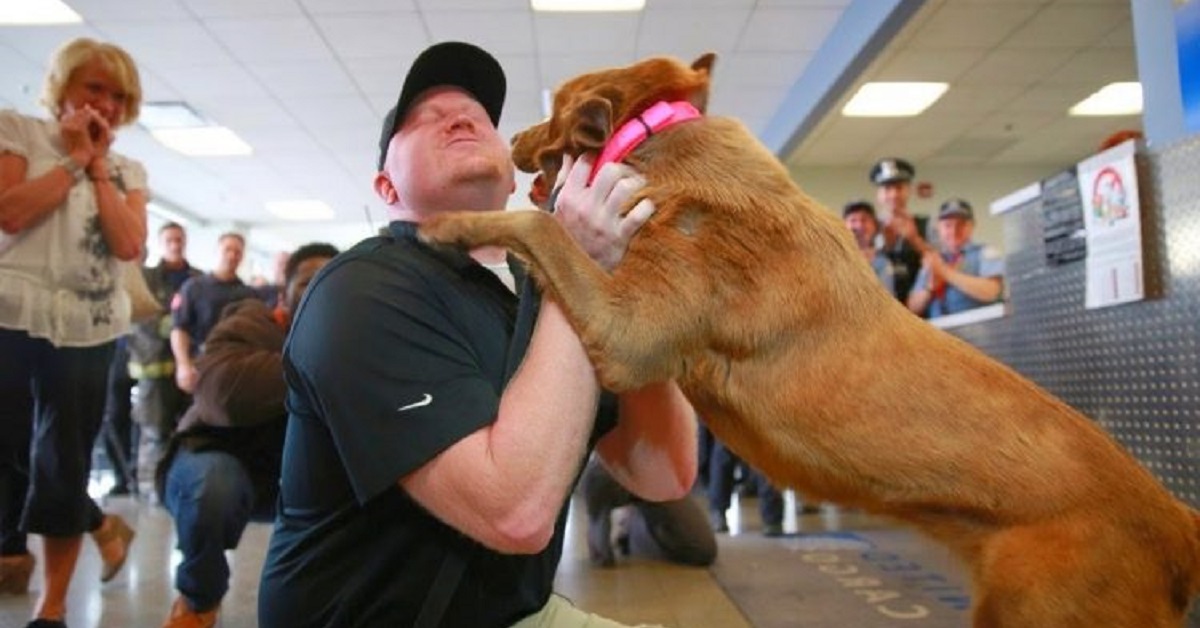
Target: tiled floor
pixel 757 581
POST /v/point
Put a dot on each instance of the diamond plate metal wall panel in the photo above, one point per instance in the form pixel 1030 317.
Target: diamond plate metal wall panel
pixel 1134 368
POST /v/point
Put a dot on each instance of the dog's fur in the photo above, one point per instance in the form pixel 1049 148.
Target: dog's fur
pixel 756 301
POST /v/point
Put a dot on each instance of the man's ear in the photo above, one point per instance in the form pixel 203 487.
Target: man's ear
pixel 385 189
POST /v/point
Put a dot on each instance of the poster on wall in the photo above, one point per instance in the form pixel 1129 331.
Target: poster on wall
pixel 1062 219
pixel 1187 36
pixel 1108 187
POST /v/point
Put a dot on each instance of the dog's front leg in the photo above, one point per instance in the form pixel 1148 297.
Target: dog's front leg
pixel 565 272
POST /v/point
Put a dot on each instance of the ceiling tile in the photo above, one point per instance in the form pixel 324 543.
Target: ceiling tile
pixel 357 36
pixel 313 78
pixel 783 30
pixel 218 80
pixel 1006 66
pixel 170 45
pixel 560 67
pixel 1009 123
pixel 243 8
pixel 498 32
pixel 1063 25
pixel 244 112
pixel 99 12
pixel 37 43
pixel 265 39
pixel 754 103
pixel 761 69
pixel 1096 67
pixel 485 5
pixel 576 34
pixel 317 7
pixel 928 65
pixel 687 33
pixel 332 112
pixel 975 26
pixel 1119 37
pixel 982 98
pixel 1056 97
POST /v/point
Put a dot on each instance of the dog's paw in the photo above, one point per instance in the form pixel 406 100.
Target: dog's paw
pixel 447 229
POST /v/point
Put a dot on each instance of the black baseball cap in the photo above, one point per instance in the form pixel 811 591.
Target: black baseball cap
pixel 956 208
pixel 892 170
pixel 448 63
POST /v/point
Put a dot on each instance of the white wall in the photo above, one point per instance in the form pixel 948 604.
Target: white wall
pixel 834 186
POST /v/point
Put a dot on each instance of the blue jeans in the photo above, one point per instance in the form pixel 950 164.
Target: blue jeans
pixel 211 498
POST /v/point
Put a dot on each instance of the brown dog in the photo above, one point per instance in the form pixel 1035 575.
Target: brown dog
pixel 754 299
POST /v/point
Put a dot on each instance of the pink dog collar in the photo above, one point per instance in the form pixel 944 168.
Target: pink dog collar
pixel 659 116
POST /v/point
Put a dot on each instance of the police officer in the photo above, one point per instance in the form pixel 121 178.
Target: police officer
pixel 963 274
pixel 903 233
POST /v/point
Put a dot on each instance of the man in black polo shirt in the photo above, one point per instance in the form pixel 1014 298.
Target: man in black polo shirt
pixel 438 423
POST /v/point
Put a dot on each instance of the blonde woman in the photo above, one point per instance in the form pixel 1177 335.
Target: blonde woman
pixel 70 208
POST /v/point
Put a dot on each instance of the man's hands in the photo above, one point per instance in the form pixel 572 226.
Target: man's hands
pixel 592 215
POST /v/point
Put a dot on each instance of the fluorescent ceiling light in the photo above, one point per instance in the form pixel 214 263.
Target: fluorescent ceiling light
pixel 206 141
pixel 301 210
pixel 37 12
pixel 893 100
pixel 169 115
pixel 1114 99
pixel 587 5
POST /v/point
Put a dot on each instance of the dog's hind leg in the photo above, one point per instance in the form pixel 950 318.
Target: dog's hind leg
pixel 599 309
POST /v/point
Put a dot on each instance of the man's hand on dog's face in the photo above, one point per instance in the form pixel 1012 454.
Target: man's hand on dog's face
pixel 593 214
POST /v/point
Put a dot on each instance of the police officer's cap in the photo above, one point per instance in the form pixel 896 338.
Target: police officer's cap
pixel 892 170
pixel 956 208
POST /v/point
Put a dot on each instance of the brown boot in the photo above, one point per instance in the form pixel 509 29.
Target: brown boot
pixel 15 572
pixel 113 539
pixel 182 616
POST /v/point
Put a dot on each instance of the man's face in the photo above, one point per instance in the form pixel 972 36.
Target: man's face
pixel 173 242
pixel 304 275
pixel 955 232
pixel 229 253
pixel 445 141
pixel 893 198
pixel 864 227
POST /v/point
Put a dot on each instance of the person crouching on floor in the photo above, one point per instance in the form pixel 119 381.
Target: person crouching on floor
pixel 221 468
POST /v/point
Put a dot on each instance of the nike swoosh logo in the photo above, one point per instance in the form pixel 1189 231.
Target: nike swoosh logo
pixel 417 404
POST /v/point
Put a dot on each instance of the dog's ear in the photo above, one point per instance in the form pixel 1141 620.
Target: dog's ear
pixel 702 66
pixel 590 124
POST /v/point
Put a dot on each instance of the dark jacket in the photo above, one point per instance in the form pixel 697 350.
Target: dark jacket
pixel 149 342
pixel 238 403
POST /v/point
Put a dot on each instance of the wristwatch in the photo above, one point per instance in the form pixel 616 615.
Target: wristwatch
pixel 73 168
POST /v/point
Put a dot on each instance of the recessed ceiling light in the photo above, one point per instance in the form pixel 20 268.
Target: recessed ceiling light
pixel 1114 99
pixel 587 5
pixel 205 141
pixel 301 210
pixel 37 12
pixel 893 99
pixel 169 115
